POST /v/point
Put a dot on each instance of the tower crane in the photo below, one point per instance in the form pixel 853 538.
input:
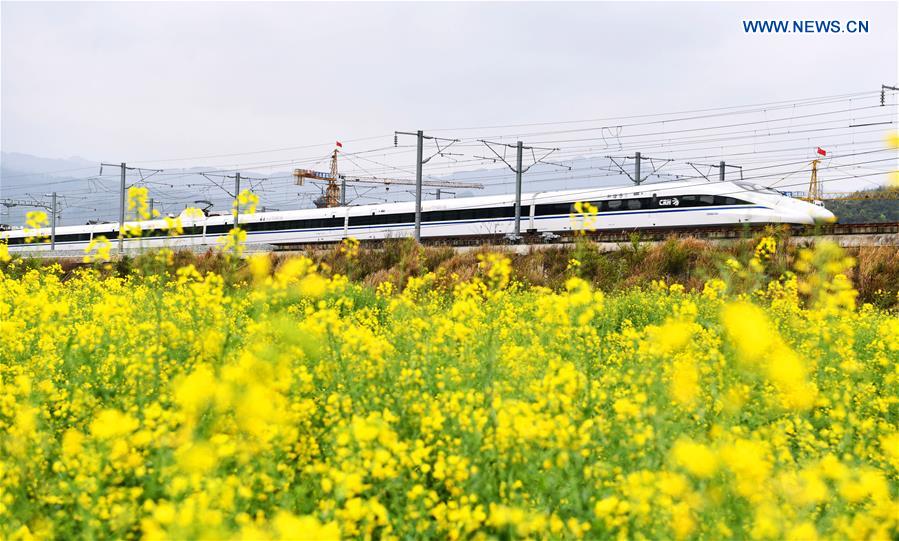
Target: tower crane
pixel 814 188
pixel 333 191
pixel 816 194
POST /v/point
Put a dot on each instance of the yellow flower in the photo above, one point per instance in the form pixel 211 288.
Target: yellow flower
pixel 892 139
pixel 804 531
pixel 111 423
pixel 174 226
pixel 313 285
pixel 260 266
pixel 696 458
pixel 35 221
pixel 766 247
pixel 234 241
pixel 196 457
pixel 71 443
pixel 497 267
pixel 349 247
pixel 289 526
pixel 606 506
pixel 890 445
pixel 584 217
pixel 196 391
pixel 749 329
pixel 97 250
pixel 247 202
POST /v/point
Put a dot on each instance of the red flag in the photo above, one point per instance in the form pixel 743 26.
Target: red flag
pixel 341 144
pixel 822 152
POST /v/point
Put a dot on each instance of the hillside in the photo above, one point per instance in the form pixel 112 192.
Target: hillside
pixel 866 211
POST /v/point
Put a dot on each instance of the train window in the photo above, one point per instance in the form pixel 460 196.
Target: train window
pixel 616 204
pixel 218 229
pixel 502 212
pixel 440 215
pixel 372 219
pixel 16 240
pixel 166 232
pixel 375 219
pixel 285 225
pixel 634 204
pixel 363 220
pixel 727 201
pixel 707 199
pixel 549 209
pixel 74 237
pixel 466 214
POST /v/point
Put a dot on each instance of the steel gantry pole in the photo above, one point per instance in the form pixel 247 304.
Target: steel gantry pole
pixel 721 171
pixel 519 169
pixel 122 187
pixel 53 221
pixel 236 197
pixel 518 172
pixel 420 160
pixel 122 212
pixel 637 178
pixel 419 154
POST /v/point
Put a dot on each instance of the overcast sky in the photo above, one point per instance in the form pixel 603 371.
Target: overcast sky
pixel 142 81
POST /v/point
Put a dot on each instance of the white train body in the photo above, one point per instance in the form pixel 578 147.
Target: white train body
pixel 650 206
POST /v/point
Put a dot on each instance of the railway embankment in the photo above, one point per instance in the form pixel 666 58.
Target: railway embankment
pixel 682 259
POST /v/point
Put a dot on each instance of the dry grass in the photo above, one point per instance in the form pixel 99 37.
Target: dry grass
pixel 688 261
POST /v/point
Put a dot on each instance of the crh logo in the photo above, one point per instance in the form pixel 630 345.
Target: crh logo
pixel 669 202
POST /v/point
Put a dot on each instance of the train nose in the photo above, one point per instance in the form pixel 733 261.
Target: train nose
pixel 821 215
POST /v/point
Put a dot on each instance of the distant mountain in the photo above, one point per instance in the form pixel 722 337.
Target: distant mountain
pixel 16 163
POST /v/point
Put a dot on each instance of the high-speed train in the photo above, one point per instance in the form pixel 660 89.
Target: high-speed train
pixel 655 206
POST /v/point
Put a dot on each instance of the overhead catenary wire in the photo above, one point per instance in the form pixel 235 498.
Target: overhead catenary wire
pixel 764 141
pixel 722 111
pixel 659 143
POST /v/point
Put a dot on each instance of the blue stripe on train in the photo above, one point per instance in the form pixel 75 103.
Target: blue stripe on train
pixel 557 216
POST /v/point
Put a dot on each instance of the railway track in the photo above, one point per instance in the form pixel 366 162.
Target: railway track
pixel 868 234
pixel 886 233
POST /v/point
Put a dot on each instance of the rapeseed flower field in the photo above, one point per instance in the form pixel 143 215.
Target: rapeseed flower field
pixel 297 404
